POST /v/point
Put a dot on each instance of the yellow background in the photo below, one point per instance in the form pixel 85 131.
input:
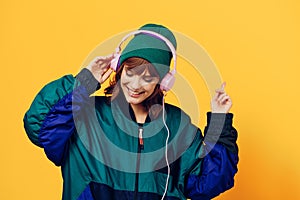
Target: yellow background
pixel 255 45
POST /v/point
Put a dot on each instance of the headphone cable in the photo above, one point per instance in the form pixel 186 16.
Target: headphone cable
pixel 166 148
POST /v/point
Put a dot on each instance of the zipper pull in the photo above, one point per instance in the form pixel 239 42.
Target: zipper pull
pixel 141 140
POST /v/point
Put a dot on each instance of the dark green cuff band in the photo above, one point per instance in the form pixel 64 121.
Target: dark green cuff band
pixel 86 78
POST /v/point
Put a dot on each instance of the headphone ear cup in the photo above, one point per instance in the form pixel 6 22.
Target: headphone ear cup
pixel 114 62
pixel 167 82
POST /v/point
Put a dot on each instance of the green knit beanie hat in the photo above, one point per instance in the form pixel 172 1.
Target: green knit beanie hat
pixel 150 48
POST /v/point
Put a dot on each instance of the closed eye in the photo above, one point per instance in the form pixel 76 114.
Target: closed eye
pixel 129 73
pixel 149 79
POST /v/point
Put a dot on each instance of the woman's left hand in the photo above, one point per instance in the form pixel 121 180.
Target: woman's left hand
pixel 221 102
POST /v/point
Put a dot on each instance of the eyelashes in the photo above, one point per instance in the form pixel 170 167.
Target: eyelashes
pixel 129 73
pixel 148 79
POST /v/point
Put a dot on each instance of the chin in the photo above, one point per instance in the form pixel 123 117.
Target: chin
pixel 133 101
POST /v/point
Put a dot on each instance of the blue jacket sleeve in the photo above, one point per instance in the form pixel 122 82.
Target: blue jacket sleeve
pixel 57 125
pixel 219 162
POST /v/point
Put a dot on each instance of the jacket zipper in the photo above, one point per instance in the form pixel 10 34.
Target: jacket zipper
pixel 140 148
pixel 141 139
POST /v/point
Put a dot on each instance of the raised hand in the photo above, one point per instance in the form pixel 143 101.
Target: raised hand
pixel 100 67
pixel 221 102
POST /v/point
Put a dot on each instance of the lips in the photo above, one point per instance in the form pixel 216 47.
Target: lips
pixel 134 94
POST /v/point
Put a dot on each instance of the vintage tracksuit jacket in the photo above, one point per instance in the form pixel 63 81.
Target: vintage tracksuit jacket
pixel 96 144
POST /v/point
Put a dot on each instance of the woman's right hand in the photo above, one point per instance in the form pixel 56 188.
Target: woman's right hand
pixel 100 67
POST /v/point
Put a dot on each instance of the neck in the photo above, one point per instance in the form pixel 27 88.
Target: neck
pixel 140 112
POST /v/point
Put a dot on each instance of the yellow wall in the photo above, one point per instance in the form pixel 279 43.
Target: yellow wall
pixel 255 45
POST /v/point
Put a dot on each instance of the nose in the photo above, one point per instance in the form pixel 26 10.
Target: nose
pixel 135 83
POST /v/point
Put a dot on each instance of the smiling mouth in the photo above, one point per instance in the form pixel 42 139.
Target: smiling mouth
pixel 134 93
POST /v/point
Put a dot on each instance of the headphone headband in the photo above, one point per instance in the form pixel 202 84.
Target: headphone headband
pixel 169 79
pixel 153 34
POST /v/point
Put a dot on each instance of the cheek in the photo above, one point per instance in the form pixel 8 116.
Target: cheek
pixel 124 79
pixel 150 87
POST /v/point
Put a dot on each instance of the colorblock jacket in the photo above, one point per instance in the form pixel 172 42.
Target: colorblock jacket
pixel 105 154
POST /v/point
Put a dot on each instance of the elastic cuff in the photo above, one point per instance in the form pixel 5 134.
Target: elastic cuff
pixel 218 123
pixel 86 78
pixel 217 118
pixel 220 130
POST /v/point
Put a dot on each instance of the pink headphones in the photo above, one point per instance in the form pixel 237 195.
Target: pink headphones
pixel 168 80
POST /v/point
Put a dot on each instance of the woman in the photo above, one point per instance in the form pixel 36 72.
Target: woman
pixel 114 147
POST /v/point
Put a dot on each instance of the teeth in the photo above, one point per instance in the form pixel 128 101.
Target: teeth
pixel 134 93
